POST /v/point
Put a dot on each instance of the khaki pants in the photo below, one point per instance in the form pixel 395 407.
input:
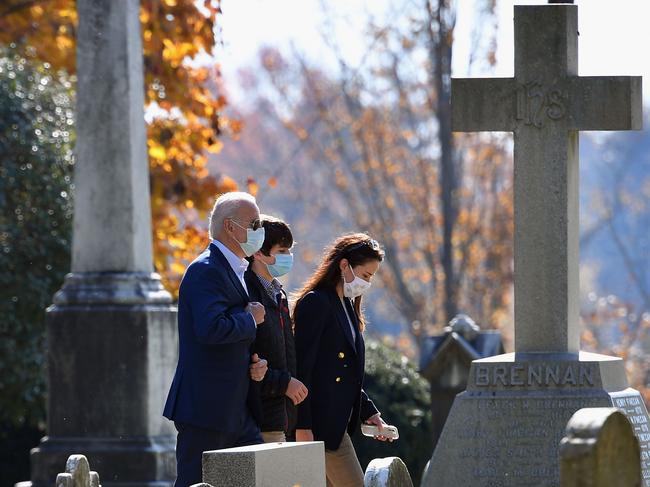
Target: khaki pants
pixel 342 466
pixel 273 436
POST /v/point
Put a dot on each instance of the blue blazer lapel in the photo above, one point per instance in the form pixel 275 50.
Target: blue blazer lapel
pixel 343 320
pixel 223 262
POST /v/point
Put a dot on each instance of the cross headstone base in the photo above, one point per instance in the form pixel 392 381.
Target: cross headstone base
pixel 505 429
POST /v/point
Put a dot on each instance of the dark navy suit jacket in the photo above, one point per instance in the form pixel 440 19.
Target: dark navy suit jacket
pixel 331 365
pixel 212 381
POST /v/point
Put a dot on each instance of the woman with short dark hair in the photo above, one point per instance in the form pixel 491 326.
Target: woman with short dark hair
pixel 329 323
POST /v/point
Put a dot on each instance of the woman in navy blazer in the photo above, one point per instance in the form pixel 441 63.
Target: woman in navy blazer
pixel 330 354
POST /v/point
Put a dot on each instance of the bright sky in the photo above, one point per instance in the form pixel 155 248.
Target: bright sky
pixel 614 34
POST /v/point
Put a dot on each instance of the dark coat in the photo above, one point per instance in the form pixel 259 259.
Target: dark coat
pixel 212 380
pixel 274 342
pixel 331 365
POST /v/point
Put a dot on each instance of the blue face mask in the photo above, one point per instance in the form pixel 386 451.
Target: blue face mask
pixel 282 266
pixel 254 241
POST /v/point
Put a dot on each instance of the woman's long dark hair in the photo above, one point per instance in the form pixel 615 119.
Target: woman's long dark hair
pixel 357 248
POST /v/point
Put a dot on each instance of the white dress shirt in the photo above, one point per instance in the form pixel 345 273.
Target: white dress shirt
pixel 238 265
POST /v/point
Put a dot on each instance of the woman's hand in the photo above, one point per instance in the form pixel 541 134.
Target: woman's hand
pixel 304 435
pixel 379 423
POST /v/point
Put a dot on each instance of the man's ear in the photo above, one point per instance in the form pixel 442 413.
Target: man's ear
pixel 258 255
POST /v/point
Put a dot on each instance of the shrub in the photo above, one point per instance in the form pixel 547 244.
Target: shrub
pixel 402 396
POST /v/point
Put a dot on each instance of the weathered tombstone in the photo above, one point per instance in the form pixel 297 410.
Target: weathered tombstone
pixel 387 472
pixel 266 465
pixel 505 429
pixel 77 474
pixel 599 450
pixel 112 329
pixel 445 361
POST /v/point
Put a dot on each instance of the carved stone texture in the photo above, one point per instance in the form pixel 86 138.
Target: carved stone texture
pixel 78 466
pixel 64 480
pixel 546 104
pixel 266 465
pixel 599 450
pixel 112 288
pixel 77 474
pixel 505 429
pixel 387 472
pixel 464 325
pixel 112 215
pixel 112 332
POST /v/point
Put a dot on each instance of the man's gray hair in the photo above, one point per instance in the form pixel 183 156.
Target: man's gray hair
pixel 226 206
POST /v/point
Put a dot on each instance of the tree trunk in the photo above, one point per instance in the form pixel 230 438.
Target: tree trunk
pixel 440 53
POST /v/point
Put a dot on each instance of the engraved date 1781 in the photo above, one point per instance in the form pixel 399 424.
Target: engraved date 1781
pixel 534 101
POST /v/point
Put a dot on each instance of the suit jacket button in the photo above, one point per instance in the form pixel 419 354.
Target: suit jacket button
pixel 341 355
pixel 338 379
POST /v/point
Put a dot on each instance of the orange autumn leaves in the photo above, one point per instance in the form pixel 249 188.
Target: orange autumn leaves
pixel 183 105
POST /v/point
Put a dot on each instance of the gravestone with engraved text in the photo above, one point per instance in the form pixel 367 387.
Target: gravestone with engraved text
pixel 504 431
pixel 600 449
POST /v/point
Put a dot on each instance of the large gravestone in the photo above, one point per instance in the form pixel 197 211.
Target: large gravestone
pixel 505 429
pixel 111 331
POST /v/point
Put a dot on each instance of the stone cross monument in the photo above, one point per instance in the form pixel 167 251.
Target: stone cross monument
pixel 505 429
pixel 545 105
pixel 112 329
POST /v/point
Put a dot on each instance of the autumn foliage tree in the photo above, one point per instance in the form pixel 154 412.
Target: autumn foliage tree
pixel 380 134
pixel 182 99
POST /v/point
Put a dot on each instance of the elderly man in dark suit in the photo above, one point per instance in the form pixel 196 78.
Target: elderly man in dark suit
pixel 217 324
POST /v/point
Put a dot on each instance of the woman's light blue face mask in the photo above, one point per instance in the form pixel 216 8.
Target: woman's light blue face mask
pixel 283 264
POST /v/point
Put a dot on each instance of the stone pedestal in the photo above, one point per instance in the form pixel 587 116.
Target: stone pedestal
pixel 505 429
pixel 266 465
pixel 112 350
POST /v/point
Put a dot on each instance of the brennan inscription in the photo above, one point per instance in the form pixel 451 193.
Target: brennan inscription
pixel 534 375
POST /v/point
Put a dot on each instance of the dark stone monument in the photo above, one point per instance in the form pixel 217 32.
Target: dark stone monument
pixel 504 430
pixel 446 359
pixel 111 331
